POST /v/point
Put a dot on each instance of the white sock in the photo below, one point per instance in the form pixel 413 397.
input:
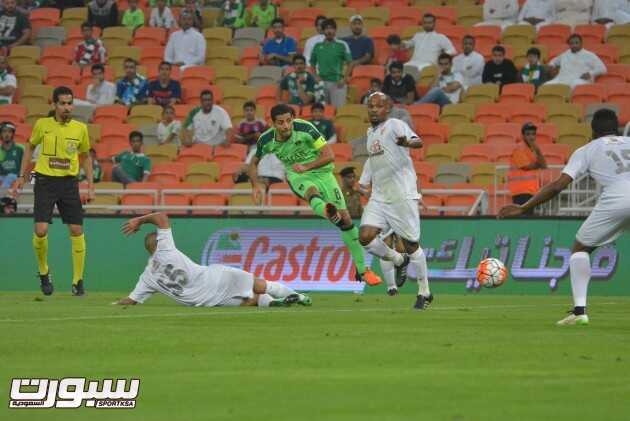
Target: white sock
pixel 278 290
pixel 264 300
pixel 580 269
pixel 389 274
pixel 419 261
pixel 378 248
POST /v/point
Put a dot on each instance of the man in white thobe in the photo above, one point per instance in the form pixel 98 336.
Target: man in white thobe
pixel 611 12
pixel 537 13
pixel 428 45
pixel 573 12
pixel 577 65
pixel 186 47
pixel 469 63
pixel 500 12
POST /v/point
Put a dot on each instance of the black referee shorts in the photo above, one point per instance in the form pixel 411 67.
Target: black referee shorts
pixel 61 191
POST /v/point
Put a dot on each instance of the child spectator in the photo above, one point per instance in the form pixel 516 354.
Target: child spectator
pixel 133 18
pixel 91 50
pixel 250 128
pixel 168 128
pixel 534 71
pixel 324 125
pixel 396 50
pixel 132 166
pixel 375 86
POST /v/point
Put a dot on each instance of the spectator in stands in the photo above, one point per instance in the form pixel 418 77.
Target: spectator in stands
pixel 100 91
pixel 396 50
pixel 315 39
pixel 526 159
pixel 208 124
pixel 97 170
pixel 168 129
pixel 8 82
pixel 132 166
pixel 233 14
pixel 576 66
pixel 499 70
pixel 133 18
pixel 401 88
pixel 500 12
pixel 103 13
pixel 270 169
pixel 262 14
pixel 162 16
pixel 330 57
pixel 534 71
pixel 280 49
pixel 469 63
pixel 10 155
pixel 186 47
pixel 299 87
pixel 361 46
pixel 251 127
pixel 375 86
pixel 193 8
pixel 133 88
pixel 428 45
pixel 324 125
pixel 164 90
pixel 26 6
pixel 89 51
pixel 609 12
pixel 537 13
pixel 447 87
pixel 16 28
pixel 350 192
pixel 573 12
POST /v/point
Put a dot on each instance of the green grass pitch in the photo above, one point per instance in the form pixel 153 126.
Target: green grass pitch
pixel 349 357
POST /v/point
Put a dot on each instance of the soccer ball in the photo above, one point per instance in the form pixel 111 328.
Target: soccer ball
pixel 491 273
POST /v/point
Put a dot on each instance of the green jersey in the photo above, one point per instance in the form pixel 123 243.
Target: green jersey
pixel 329 57
pixel 301 148
pixel 262 18
pixel 11 160
pixel 133 19
pixel 134 164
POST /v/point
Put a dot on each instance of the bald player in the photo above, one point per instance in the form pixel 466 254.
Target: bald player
pixel 394 201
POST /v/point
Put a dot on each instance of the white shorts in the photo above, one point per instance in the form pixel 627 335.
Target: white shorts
pixel 603 226
pixel 402 217
pixel 234 286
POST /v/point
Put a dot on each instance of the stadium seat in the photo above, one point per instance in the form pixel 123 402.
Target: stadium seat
pixel 31 74
pixel 553 34
pixel 202 172
pixel 450 173
pixel 591 33
pixel 283 199
pixel 44 16
pixel 524 113
pixel 556 154
pixel 518 35
pixel 116 36
pixel 457 113
pixel 37 111
pixel 481 94
pixel 360 4
pixel 171 172
pixel 362 75
pixel 248 37
pixel 574 135
pixel 564 113
pixel 147 36
pixel 425 171
pixel 191 93
pixel 24 54
pixel 433 133
pixel 208 200
pixel 618 92
pixel 63 75
pixel 553 94
pixel 546 133
pixel 103 200
pixel 491 113
pixel 427 75
pixel 116 55
pixel 223 56
pixel 487 33
pixel 391 4
pixel 460 204
pixel 374 16
pixel 351 113
pixel 231 75
pixel 618 35
pixel 483 174
pixel 250 57
pixel 241 200
pixel 264 75
pixel 217 37
pixel 519 55
pixel 198 74
pixel 139 203
pixel 195 153
pixel 588 94
pixel 49 35
pixel 455 34
pixel 229 170
pixel 304 17
pixel 13 112
pixel 107 114
pixel 36 94
pixel 343 152
pixel 478 153
pixel 403 16
pixel 73 17
pixel 439 154
pixel 209 16
pixel 340 14
pixel 266 97
pixel 160 154
pixel 466 134
pixel 470 15
pixel 235 96
pixel 517 93
pixel 445 15
pixel 610 78
pixel 502 133
pixel 176 200
pixel 151 56
pixel 424 113
pixel 144 114
pixel 234 152
pixel 608 53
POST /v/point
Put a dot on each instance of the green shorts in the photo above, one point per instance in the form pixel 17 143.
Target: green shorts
pixel 324 182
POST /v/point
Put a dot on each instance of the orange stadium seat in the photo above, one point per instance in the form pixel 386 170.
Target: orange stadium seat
pixel 392 3
pixel 523 113
pixel 329 112
pixel 613 75
pixel 608 53
pixel 402 16
pixel 228 169
pixel 151 56
pixel 198 74
pixel 250 57
pixel 171 172
pixel 555 154
pixel 491 113
pixel 618 92
pixel 362 75
pixel 304 18
pixel 44 16
pixel 22 132
pixel 486 33
pixel 379 35
pixel 591 33
pixel 192 92
pixel 554 33
pixel 147 36
pixel 360 4
pixel 140 203
pixel 502 133
pixel 63 75
pixel 503 153
pixel 425 171
pixel 424 113
pixel 433 133
pixel 15 113
pixel 56 56
pixel 176 200
pixel 589 94
pixel 517 93
pixel 267 96
pixel 208 199
pixel 474 154
pixel 445 15
pixel 234 152
pixel 546 133
pixel 182 110
pixel 195 153
pixel 456 34
pixel 116 133
pixel 107 114
pixel 343 152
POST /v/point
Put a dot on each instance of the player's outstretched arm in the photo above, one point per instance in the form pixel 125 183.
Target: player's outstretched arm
pixel 158 219
pixel 548 192
pixel 125 302
pixel 414 143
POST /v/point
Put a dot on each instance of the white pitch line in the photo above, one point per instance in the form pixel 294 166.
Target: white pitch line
pixel 283 311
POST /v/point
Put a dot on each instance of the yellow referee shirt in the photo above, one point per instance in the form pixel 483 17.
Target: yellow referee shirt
pixel 61 144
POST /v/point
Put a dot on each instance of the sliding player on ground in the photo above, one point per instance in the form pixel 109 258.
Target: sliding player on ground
pixel 308 160
pixel 607 160
pixel 173 274
pixel 394 200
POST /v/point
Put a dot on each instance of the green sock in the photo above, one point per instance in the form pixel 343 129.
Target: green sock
pixel 351 240
pixel 318 205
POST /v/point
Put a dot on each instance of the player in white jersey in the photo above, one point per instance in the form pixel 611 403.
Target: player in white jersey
pixel 173 274
pixel 394 200
pixel 607 160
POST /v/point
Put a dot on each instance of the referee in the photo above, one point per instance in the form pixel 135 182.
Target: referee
pixel 64 143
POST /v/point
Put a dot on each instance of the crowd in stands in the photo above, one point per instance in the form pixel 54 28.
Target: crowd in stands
pixel 207 73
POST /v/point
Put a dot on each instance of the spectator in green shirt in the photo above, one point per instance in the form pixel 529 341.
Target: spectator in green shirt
pixel 97 170
pixel 132 166
pixel 324 125
pixel 10 155
pixel 233 14
pixel 298 87
pixel 331 58
pixel 262 14
pixel 133 18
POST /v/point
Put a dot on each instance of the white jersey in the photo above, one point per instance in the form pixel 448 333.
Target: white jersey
pixel 172 273
pixel 389 166
pixel 607 160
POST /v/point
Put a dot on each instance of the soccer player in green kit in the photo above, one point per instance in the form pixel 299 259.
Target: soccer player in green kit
pixel 308 160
